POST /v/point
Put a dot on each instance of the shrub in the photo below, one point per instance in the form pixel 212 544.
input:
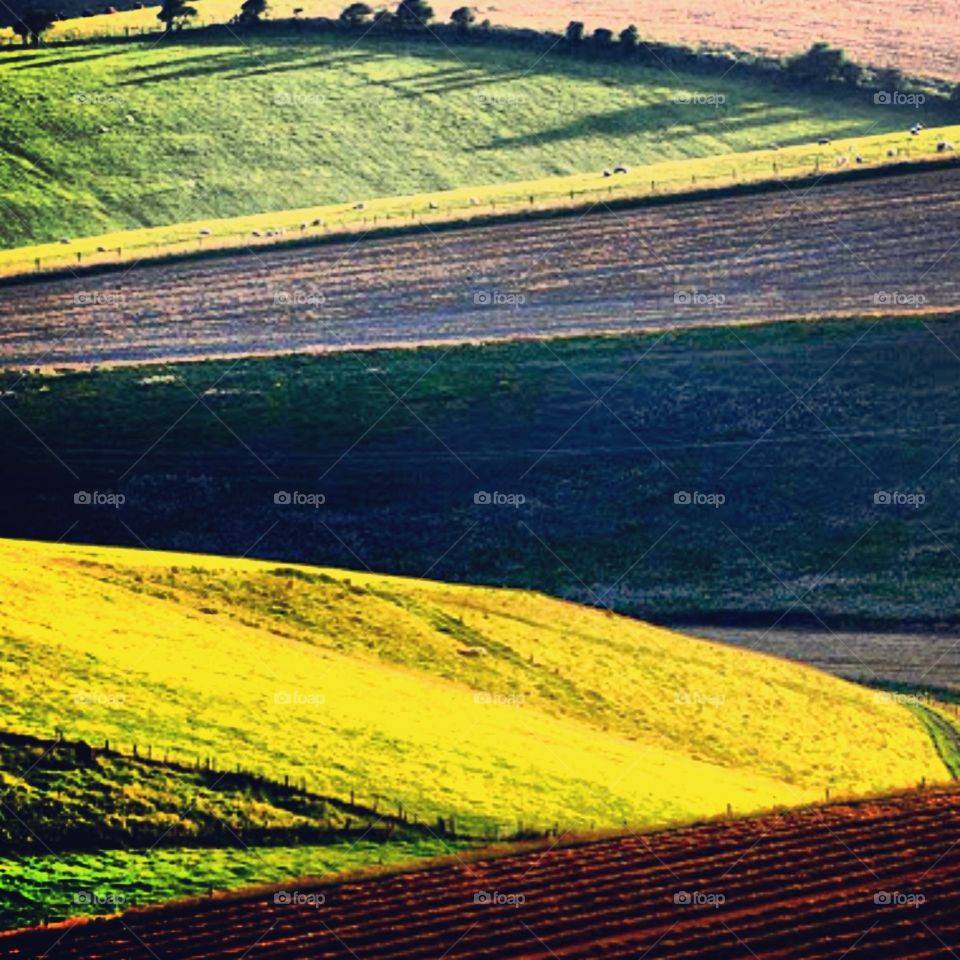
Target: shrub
pixel 356 14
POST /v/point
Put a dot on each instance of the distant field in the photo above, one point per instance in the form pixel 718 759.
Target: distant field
pixel 922 38
pixel 882 247
pixel 923 659
pixel 499 708
pixel 799 426
pixel 100 138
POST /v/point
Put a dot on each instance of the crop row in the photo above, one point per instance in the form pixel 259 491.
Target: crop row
pixel 879 879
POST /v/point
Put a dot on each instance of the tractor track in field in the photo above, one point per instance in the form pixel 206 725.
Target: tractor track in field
pixel 889 246
pixel 875 879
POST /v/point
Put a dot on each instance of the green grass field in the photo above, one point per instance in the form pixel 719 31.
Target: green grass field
pixel 97 138
pixel 47 887
pixel 497 707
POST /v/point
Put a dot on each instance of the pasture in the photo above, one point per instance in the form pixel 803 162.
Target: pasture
pixel 504 710
pixel 99 138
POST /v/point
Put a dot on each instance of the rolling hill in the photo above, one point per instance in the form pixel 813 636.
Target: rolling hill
pixel 497 707
pixel 95 138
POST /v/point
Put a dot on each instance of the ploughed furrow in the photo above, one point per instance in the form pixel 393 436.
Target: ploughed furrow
pixel 881 246
pixel 878 879
pixel 607 878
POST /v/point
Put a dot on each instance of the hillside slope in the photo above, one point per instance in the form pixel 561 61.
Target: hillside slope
pixel 496 706
pixel 128 138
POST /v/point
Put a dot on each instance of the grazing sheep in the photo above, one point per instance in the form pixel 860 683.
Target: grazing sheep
pixel 915 131
pixel 204 232
pixel 359 206
pixel 64 239
pixel 891 153
pixel 859 159
pixel 256 233
pixel 317 223
pixel 474 202
pixel 434 206
pixel 607 173
pixel 944 146
pixel 621 169
pixel 101 249
pixel 824 141
pixel 842 161
pixel 774 146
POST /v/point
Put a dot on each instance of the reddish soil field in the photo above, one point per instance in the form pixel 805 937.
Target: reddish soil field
pixel 920 38
pixel 861 881
pixel 878 247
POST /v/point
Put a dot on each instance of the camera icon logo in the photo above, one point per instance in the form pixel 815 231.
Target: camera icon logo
pixel 283 498
pixel 83 498
pixel 883 98
pixel 482 497
pixel 882 498
pixel 683 498
pixel 482 897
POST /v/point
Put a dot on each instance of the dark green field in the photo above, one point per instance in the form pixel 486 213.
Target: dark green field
pixel 800 428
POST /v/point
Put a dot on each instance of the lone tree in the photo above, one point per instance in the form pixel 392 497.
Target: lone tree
pixel 252 11
pixel 356 14
pixel 824 64
pixel 414 13
pixel 175 12
pixel 464 18
pixel 630 39
pixel 602 37
pixel 575 32
pixel 33 22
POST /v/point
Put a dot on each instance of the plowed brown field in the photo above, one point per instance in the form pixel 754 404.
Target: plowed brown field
pixel 921 37
pixel 864 882
pixel 884 246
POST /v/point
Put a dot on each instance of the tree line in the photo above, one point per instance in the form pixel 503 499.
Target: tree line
pixel 821 65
